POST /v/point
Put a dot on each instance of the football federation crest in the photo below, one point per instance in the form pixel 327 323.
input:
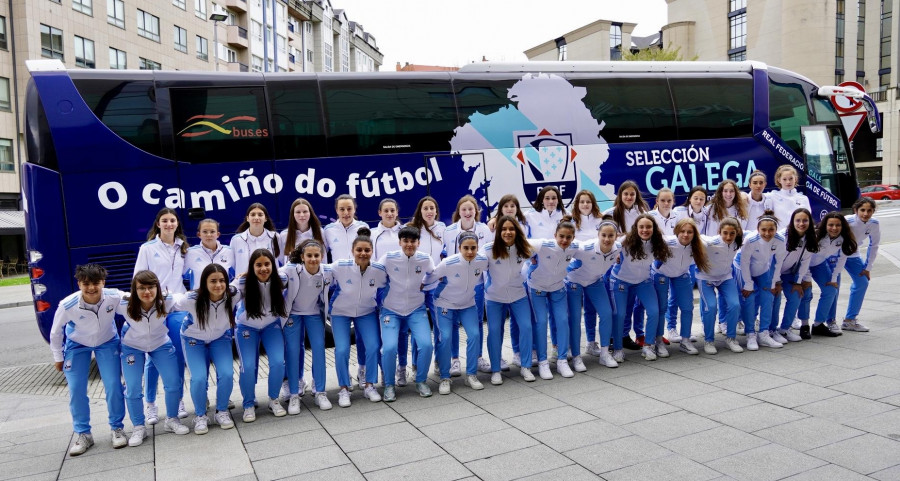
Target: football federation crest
pixel 547 159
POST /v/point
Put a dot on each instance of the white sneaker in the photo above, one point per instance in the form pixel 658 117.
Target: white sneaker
pixel 322 401
pixel 400 378
pixel 361 377
pixel 765 340
pixel 796 324
pixel 593 349
pixel 294 405
pixel 151 414
pixel 223 419
pixel 201 425
pixel 791 336
pixel 777 337
pixel 740 327
pixel 853 325
pixel 710 348
pixel 285 392
pixel 526 374
pixel 647 353
pixel 834 327
pixel 82 443
pixel 687 346
pixel 455 370
pixel 673 336
pixel 693 338
pixel 484 365
pixel 444 387
pixel 276 408
pixel 517 359
pixel 173 425
pixel 137 436
pixel 752 344
pixel 473 382
pixel 372 394
pixel 607 359
pixel 544 370
pixel 496 379
pixel 661 350
pixel 249 414
pixel 182 412
pixel 504 366
pixel 578 364
pixel 732 344
pixel 618 355
pixel 344 398
pixel 562 367
pixel 118 438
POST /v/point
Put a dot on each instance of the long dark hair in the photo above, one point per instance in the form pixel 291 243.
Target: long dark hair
pixel 252 294
pixel 687 200
pixel 499 249
pixel 849 244
pixel 418 220
pixel 520 216
pixel 146 278
pixel 734 224
pixel 719 210
pixel 794 237
pixel 634 245
pixel 268 225
pixel 619 205
pixel 539 200
pixel 179 231
pixel 314 224
pixel 203 295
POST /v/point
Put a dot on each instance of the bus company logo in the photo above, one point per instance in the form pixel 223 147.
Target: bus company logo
pixel 547 159
pixel 200 125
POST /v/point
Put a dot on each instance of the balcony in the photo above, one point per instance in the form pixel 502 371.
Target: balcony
pixel 291 58
pixel 237 5
pixel 299 9
pixel 238 67
pixel 237 36
pixel 879 95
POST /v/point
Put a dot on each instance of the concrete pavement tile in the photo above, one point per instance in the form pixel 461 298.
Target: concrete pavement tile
pixel 48 476
pixel 514 465
pixel 265 428
pixel 784 367
pixel 242 477
pixel 674 391
pixel 453 430
pixel 390 454
pixel 601 398
pixel 716 372
pixel 652 377
pixel 758 464
pixel 314 460
pixel 573 472
pixel 344 472
pixel 892 400
pixel 359 405
pixel 674 467
pixel 670 426
pixel 562 388
pixel 864 454
pixel 826 376
pixel 617 454
pixel 829 472
pixel 113 459
pixel 440 414
pixel 140 472
pixel 754 382
pixel 840 356
pixel 525 405
pixel 713 444
pixel 872 387
pixel 796 394
pixel 223 455
pixel 48 463
pixel 580 435
pixel 499 393
pixel 549 419
pixel 632 411
pixel 889 369
pixel 488 445
pixel 889 474
pixel 680 362
pixel 808 433
pixel 55 445
pixel 371 437
pixel 361 420
pixel 885 424
pixel 633 365
pixel 757 416
pixel 714 402
pixel 845 408
pixel 405 404
pixel 291 443
pixel 439 468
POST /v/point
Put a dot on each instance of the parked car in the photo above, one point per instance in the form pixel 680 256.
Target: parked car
pixel 881 192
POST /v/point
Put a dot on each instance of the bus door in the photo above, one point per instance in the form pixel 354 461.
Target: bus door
pixel 828 162
pixel 219 135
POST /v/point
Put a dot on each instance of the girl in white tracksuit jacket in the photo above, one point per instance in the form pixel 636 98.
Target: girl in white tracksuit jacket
pixel 256 232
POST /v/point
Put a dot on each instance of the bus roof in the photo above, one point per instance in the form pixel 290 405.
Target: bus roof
pixel 617 66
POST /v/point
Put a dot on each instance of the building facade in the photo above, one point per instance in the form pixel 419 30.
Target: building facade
pixel 600 40
pixel 828 41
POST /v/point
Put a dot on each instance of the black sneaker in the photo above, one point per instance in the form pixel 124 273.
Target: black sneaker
pixel 628 343
pixel 804 332
pixel 822 330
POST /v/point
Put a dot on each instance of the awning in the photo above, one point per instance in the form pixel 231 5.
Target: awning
pixel 12 222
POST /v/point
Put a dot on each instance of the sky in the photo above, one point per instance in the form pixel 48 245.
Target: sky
pixel 452 33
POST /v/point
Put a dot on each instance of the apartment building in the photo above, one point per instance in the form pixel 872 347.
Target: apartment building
pixel 601 40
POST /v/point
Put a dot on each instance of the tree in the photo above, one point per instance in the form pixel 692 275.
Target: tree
pixel 656 54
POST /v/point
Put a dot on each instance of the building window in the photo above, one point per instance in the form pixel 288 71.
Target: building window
pixel 328 52
pixel 7 164
pixel 615 42
pixel 884 67
pixel 282 44
pixel 308 27
pixel 3 43
pixel 309 56
pixel 737 30
pixel 202 48
pixel 256 64
pixel 180 4
pixel 561 49
pixel 200 8
pixel 231 55
pixel 51 42
pixel 83 6
pixel 148 25
pixel 839 44
pixel 149 64
pixel 180 39
pixel 117 59
pixel 861 41
pixel 256 29
pixel 115 13
pixel 84 52
pixel 5 103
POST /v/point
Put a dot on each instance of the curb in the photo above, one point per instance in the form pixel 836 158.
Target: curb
pixel 15 304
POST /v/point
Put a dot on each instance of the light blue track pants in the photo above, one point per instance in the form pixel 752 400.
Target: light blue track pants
pixel 77 368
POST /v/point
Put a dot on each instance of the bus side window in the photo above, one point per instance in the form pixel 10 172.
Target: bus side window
pixel 485 96
pixel 296 119
pixel 389 114
pixel 634 108
pixel 126 107
pixel 713 107
pixel 788 109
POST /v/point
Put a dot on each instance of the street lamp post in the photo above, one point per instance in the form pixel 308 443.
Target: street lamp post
pixel 216 18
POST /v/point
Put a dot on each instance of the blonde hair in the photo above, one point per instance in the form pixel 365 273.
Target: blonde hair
pixel 782 169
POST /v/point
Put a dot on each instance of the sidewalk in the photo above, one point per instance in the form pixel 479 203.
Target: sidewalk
pixel 818 410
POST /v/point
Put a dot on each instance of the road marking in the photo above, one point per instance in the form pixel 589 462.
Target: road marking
pixel 890 257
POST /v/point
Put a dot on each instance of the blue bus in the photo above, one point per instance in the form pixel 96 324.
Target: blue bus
pixel 108 149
